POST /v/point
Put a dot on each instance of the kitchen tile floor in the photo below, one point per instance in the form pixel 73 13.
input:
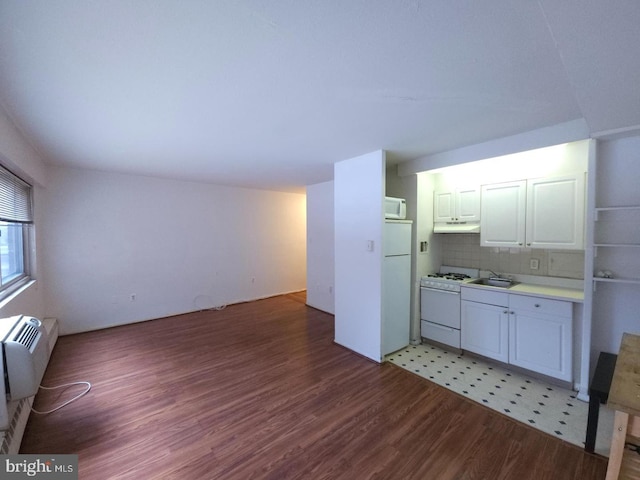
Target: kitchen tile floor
pixel 547 407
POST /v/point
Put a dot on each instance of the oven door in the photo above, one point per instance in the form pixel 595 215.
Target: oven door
pixel 440 306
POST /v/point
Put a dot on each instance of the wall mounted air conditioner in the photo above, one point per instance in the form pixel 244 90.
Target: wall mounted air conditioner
pixel 24 356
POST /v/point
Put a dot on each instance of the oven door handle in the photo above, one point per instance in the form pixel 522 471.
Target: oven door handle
pixel 441 327
pixel 440 291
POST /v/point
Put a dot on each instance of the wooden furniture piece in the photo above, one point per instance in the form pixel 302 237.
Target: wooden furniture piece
pixel 598 394
pixel 624 398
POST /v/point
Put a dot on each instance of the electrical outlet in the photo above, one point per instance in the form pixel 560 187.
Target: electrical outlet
pixel 534 264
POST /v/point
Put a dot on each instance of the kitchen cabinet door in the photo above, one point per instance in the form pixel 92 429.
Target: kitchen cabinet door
pixel 536 213
pixel 444 209
pixel 468 204
pixel 541 342
pixel 555 212
pixel 484 330
pixel 460 205
pixel 502 221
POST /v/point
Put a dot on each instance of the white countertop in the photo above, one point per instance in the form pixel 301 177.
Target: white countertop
pixel 560 293
pixel 535 290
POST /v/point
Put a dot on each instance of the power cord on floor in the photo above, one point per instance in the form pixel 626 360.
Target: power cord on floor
pixel 66 385
pixel 204 303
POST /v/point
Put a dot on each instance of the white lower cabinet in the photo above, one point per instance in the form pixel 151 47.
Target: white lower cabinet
pixel 484 330
pixel 541 335
pixel 529 332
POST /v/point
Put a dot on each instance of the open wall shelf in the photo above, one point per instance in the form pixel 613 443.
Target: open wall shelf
pixel 617 280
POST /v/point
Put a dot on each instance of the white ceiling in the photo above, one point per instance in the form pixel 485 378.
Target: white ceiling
pixel 270 94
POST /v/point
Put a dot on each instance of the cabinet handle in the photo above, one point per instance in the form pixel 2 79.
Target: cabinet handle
pixel 537 305
pixel 519 243
pixel 512 312
pixel 506 311
pixel 528 244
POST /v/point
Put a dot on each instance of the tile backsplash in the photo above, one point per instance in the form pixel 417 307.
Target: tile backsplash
pixel 463 250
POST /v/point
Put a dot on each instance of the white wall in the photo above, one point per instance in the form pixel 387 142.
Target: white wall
pixel 21 158
pixel 18 155
pixel 320 247
pixel 177 246
pixel 359 218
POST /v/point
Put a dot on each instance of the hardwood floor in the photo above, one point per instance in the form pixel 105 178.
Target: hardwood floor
pixel 259 390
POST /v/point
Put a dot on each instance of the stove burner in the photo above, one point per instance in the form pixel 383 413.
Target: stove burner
pixel 457 276
pixel 449 276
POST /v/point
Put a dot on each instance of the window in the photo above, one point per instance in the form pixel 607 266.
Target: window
pixel 16 218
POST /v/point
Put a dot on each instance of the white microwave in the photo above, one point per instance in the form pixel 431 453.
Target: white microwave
pixel 395 208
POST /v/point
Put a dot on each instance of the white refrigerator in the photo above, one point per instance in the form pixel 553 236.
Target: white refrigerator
pixel 396 285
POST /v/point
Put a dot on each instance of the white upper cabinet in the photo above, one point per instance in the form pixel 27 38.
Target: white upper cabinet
pixel 503 214
pixel 536 213
pixel 444 206
pixel 555 212
pixel 457 205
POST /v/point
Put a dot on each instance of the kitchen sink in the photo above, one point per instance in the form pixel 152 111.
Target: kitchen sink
pixel 495 282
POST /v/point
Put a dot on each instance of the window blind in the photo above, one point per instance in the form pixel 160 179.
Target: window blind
pixel 15 198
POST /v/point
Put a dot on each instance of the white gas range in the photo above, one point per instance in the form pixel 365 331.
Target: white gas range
pixel 440 304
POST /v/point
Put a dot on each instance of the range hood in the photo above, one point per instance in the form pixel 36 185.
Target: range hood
pixel 456 227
